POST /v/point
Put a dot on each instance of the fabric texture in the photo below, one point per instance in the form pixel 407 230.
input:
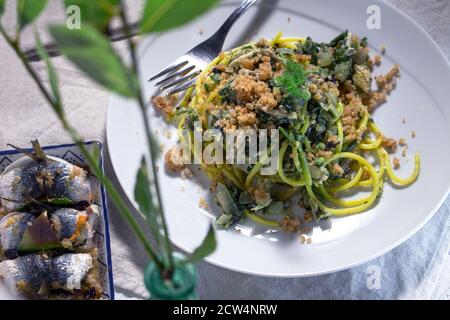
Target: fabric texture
pixel 417 269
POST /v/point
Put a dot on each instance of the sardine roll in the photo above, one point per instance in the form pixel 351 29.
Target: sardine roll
pixel 17 186
pixel 45 178
pixel 75 229
pixel 70 182
pixel 69 271
pixel 25 275
pixel 12 229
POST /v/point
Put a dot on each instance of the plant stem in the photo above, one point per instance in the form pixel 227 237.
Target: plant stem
pixel 142 107
pixel 112 191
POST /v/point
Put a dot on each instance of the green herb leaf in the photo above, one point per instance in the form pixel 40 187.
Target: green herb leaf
pixel 52 76
pixel 29 10
pixel 293 80
pixel 207 247
pixel 93 54
pixel 97 13
pixel 2 7
pixel 61 201
pixel 161 15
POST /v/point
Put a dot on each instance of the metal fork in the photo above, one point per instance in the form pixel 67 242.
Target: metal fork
pixel 183 72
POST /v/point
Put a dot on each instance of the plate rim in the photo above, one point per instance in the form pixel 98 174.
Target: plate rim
pixel 330 270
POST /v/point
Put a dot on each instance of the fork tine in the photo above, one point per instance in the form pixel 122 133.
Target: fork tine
pixel 181 80
pixel 176 74
pixel 182 88
pixel 173 67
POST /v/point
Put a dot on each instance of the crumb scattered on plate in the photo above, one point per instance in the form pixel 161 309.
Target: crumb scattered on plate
pixel 168 134
pixel 203 204
pixel 396 163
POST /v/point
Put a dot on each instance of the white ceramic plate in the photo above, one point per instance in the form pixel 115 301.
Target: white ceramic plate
pixel 421 97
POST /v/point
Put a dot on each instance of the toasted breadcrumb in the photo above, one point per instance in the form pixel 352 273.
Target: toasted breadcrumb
pixel 305 240
pixel 390 144
pixel 174 159
pixel 308 216
pixel 402 142
pixel 168 134
pixel 413 134
pixel 213 186
pixel 404 150
pixel 386 83
pixel 165 104
pixel 396 163
pixel 203 204
pixel 305 230
pixel 383 50
pixel 377 60
pixel 337 170
pixel 290 224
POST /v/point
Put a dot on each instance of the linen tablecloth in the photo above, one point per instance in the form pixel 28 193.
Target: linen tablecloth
pixel 418 269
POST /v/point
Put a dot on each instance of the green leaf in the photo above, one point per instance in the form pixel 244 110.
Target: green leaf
pixel 93 54
pixel 143 197
pixel 207 247
pixel 29 10
pixel 61 202
pixel 2 7
pixel 161 15
pixel 52 76
pixel 96 12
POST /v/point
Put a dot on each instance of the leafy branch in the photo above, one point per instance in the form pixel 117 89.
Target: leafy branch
pixel 92 53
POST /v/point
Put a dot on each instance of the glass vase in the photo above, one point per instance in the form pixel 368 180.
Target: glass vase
pixel 182 286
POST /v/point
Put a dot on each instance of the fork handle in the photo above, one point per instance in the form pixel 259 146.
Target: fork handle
pixel 221 34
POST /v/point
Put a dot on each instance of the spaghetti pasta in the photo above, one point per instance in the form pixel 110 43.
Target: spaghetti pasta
pixel 315 94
